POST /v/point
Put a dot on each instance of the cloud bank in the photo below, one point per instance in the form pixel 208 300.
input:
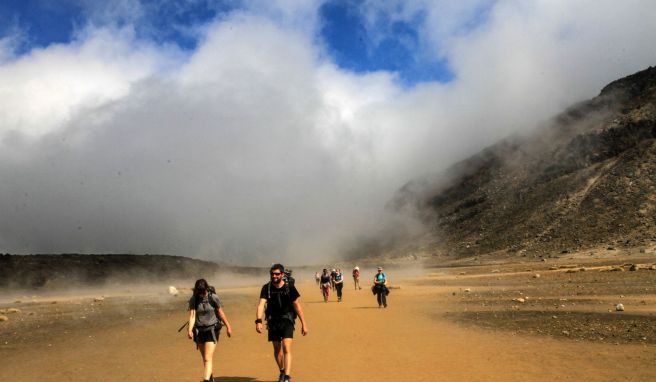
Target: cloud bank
pixel 255 146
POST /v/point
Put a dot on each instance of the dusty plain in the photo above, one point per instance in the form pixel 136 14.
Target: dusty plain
pixel 480 319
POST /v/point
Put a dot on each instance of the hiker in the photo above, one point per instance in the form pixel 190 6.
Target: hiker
pixel 332 278
pixel 317 278
pixel 206 317
pixel 287 277
pixel 380 288
pixel 324 284
pixel 356 277
pixel 339 284
pixel 282 307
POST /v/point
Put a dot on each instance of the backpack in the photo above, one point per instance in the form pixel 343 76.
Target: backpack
pixel 288 279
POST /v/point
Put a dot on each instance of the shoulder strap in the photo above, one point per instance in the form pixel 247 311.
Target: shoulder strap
pixel 211 300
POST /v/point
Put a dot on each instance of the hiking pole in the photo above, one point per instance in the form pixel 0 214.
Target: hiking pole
pixel 183 326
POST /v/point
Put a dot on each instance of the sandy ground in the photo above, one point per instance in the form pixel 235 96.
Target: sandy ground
pixel 433 330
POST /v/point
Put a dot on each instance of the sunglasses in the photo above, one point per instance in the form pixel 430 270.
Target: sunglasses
pixel 276 273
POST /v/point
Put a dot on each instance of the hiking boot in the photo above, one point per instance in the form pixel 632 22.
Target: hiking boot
pixel 288 378
pixel 281 377
pixel 384 305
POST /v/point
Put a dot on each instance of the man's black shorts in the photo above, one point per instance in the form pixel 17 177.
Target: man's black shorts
pixel 280 329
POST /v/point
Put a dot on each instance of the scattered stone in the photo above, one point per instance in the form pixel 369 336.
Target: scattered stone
pixel 495 271
pixel 536 276
pixel 3 318
pixel 467 290
pixel 13 310
pixel 572 271
pixel 553 268
pixel 173 291
pixel 619 307
pixel 519 299
pixel 462 273
pixel 565 332
pixel 98 299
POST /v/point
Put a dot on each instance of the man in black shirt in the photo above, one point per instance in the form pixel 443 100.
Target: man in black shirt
pixel 282 307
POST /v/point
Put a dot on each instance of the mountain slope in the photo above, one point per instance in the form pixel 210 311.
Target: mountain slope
pixel 587 179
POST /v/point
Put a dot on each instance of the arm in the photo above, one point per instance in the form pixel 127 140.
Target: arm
pixel 192 320
pixel 224 318
pixel 299 313
pixel 260 315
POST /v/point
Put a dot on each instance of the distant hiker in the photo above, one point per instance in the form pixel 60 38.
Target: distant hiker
pixel 205 320
pixel 287 277
pixel 317 278
pixel 339 283
pixel 356 277
pixel 380 288
pixel 324 284
pixel 282 306
pixel 332 278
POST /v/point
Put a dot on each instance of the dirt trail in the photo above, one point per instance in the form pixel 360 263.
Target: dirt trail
pixel 411 340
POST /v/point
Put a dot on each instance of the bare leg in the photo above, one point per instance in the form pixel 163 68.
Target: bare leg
pixel 287 350
pixel 207 352
pixel 277 354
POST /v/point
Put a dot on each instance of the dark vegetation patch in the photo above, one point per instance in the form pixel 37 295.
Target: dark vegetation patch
pixel 615 327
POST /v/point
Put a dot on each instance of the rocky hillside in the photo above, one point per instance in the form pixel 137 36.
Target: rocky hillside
pixel 588 179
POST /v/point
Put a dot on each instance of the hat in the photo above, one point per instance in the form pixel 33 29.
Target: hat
pixel 380 268
pixel 356 267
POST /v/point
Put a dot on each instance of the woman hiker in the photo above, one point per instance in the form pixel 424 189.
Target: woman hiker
pixel 205 320
pixel 380 288
pixel 324 284
pixel 339 284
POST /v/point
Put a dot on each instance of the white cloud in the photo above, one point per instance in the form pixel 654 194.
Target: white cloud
pixel 42 91
pixel 257 146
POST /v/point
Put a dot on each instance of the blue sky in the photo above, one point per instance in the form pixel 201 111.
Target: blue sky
pixel 350 43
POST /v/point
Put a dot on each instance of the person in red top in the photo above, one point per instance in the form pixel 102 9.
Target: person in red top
pixel 356 277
